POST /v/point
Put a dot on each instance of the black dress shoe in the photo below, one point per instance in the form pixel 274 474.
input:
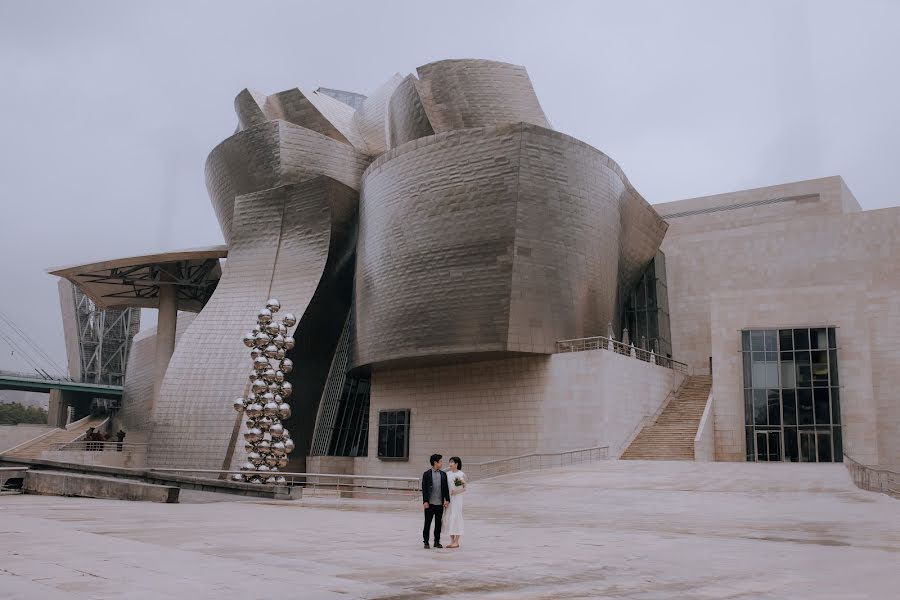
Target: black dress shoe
pixel 426 545
pixel 437 545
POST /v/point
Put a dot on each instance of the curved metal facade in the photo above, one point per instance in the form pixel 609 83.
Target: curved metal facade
pixel 493 240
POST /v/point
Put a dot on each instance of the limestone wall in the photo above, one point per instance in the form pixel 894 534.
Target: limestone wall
pixel 495 409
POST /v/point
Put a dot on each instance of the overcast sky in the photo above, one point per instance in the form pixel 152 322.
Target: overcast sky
pixel 109 109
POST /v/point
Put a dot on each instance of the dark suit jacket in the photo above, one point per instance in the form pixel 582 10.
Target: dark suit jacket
pixel 427 484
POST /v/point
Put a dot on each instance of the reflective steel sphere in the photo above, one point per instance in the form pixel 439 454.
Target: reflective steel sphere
pixel 289 342
pixel 238 404
pixel 271 350
pixel 280 480
pixel 263 447
pixel 262 339
pixel 237 477
pixel 276 430
pixel 264 423
pixel 264 316
pixel 287 389
pixel 259 386
pixel 255 479
pixel 254 410
pixel 271 461
pixel 279 376
pixel 255 352
pixel 273 304
pixel 284 411
pixel 282 329
pixel 287 365
pixel 289 319
pixel 270 409
pixel 253 435
pixel 249 340
pixel 279 355
pixel 248 447
pixel 278 340
pixel 267 397
pixel 272 329
pixel 289 445
pixel 262 468
pixel 252 377
pixel 248 466
pixel 278 449
pixel 282 462
pixel 253 457
pixel 269 375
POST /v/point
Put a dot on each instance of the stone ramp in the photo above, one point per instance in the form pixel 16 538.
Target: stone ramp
pixel 671 437
pixel 58 483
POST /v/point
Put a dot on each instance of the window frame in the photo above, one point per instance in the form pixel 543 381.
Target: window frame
pixel 382 428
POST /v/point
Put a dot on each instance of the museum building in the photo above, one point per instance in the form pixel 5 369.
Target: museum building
pixel 470 281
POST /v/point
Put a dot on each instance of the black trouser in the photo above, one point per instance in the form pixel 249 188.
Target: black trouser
pixel 436 512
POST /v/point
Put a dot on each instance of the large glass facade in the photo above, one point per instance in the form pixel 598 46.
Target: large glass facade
pixel 647 309
pixel 792 407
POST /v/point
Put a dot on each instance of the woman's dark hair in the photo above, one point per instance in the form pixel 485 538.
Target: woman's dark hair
pixel 434 458
pixel 457 460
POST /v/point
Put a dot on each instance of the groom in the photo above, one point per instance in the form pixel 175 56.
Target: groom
pixel 435 498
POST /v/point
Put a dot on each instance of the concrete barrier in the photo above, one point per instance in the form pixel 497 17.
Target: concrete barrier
pixel 55 483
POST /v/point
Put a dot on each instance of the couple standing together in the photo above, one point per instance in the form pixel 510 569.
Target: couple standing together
pixel 443 490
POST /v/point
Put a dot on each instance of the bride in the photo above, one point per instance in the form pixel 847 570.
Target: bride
pixel 457 480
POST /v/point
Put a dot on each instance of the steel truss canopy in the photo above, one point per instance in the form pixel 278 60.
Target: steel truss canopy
pixel 136 281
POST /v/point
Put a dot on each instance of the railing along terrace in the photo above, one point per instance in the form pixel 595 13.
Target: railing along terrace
pixel 873 479
pixel 107 446
pixel 44 376
pixel 534 462
pixel 605 343
pixel 327 484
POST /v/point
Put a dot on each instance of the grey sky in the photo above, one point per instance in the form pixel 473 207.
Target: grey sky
pixel 109 109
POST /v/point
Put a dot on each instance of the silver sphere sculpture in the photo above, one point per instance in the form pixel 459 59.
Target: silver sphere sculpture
pixel 267 442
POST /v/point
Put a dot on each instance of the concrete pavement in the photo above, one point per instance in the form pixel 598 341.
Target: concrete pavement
pixel 619 529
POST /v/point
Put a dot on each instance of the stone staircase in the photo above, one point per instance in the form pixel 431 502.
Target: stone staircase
pixel 672 436
pixel 34 448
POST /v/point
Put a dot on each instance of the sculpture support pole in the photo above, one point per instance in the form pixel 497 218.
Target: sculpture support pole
pixel 165 329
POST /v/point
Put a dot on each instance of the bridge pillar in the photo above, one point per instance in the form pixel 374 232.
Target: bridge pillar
pixel 165 328
pixel 60 401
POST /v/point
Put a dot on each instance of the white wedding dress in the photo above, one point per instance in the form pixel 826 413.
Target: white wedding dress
pixel 454 515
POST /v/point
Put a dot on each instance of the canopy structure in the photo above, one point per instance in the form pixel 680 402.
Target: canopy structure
pixel 137 281
pixel 170 281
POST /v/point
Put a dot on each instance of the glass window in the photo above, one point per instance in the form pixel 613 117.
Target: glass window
pixel 774 408
pixel 823 412
pixel 760 408
pixel 818 339
pixel 805 406
pixel 838 445
pixel 832 343
pixel 757 342
pixel 835 406
pixel 786 339
pixel 393 434
pixel 791 396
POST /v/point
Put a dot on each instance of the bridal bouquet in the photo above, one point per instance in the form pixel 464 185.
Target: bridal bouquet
pixel 458 482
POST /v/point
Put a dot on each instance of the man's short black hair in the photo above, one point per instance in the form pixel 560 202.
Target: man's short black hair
pixel 434 458
pixel 457 460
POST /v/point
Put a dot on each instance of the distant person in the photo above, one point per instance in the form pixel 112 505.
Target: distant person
pixel 457 480
pixel 120 435
pixel 89 438
pixel 98 438
pixel 435 498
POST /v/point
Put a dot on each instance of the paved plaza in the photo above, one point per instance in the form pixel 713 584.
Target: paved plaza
pixel 619 529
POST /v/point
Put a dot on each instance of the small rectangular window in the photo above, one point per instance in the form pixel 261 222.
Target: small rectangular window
pixel 393 434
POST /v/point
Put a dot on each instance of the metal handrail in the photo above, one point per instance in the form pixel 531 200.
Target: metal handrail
pixel 330 484
pixel 535 462
pixel 604 343
pixel 89 445
pixel 873 479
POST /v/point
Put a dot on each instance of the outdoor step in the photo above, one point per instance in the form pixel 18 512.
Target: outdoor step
pixel 671 437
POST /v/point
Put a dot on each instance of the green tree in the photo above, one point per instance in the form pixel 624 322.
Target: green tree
pixel 15 413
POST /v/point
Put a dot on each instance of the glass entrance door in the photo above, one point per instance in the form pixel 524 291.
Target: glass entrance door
pixel 768 446
pixel 815 446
